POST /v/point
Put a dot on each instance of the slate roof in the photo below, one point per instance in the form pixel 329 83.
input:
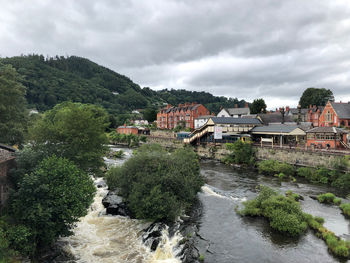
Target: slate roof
pixel 204 117
pixel 278 128
pixel 230 120
pixel 184 108
pixel 238 111
pixel 294 111
pixel 275 117
pixel 326 130
pixel 342 109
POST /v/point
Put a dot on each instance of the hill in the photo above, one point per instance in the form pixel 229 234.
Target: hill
pixel 56 79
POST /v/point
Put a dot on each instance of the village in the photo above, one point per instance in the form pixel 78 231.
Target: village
pixel 316 128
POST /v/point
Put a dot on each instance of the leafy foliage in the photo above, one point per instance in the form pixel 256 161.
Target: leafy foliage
pixel 283 213
pixel 242 153
pixel 48 203
pixel 272 167
pixel 328 198
pixel 314 96
pixel 258 106
pixel 166 184
pixel 51 81
pixel 74 131
pixel 13 115
pixel 346 209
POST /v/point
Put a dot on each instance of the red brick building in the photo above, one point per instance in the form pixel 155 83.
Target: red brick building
pixel 326 137
pixel 335 114
pixel 170 117
pixel 313 115
pixel 127 130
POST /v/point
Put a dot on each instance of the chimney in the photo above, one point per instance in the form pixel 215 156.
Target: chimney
pixel 282 112
pixel 236 106
pixel 276 110
pixel 246 105
pixel 287 108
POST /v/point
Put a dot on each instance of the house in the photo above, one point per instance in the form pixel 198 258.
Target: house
pixel 183 114
pixel 275 118
pixel 7 161
pixel 222 129
pixel 296 114
pixel 140 122
pixel 327 137
pixel 201 120
pixel 335 114
pixel 234 112
pixel 279 134
pixel 313 115
pixel 127 130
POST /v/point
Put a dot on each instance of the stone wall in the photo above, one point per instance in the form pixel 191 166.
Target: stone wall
pixel 291 156
pixel 298 157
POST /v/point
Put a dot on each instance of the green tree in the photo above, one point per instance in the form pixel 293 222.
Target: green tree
pixel 49 202
pixel 258 106
pixel 75 131
pixel 166 184
pixel 314 96
pixel 150 114
pixel 13 115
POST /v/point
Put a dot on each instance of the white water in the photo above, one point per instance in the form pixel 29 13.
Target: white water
pixel 103 238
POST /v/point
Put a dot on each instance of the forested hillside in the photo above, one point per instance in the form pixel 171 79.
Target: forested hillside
pixel 53 80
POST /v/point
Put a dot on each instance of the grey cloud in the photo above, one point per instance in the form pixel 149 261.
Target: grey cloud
pixel 240 48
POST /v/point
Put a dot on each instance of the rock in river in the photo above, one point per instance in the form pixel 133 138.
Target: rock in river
pixel 114 204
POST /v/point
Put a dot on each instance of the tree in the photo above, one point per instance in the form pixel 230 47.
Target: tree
pixel 166 184
pixel 49 202
pixel 150 114
pixel 12 106
pixel 314 96
pixel 75 131
pixel 258 106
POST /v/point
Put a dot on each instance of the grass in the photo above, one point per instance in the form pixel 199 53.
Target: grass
pixel 345 209
pixel 328 198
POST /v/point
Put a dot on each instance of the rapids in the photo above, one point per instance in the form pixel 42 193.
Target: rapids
pixel 101 238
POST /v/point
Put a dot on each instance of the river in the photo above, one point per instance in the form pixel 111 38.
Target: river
pixel 224 237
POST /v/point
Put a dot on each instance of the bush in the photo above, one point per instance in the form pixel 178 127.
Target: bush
pixel 328 198
pixel 272 167
pixel 48 203
pixel 305 172
pixel 342 182
pixel 242 152
pixel 345 208
pixel 294 196
pixel 284 214
pixel 166 184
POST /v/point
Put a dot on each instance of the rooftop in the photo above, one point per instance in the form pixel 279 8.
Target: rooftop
pixel 327 130
pixel 230 120
pixel 342 109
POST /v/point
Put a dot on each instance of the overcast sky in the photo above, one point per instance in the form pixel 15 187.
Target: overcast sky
pixel 238 48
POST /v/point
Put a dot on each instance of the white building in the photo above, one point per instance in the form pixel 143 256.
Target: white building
pixel 234 112
pixel 201 120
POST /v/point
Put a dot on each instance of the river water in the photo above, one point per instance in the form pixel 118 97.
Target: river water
pixel 224 237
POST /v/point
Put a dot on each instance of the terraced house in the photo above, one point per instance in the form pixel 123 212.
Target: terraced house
pixel 183 114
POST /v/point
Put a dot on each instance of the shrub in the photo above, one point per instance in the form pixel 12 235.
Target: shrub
pixel 342 182
pixel 306 172
pixel 294 196
pixel 328 198
pixel 267 167
pixel 284 214
pixel 285 168
pixel 345 208
pixel 48 203
pixel 242 152
pixel 166 184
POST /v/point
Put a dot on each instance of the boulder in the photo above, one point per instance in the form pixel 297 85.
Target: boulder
pixel 114 204
pixel 153 235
